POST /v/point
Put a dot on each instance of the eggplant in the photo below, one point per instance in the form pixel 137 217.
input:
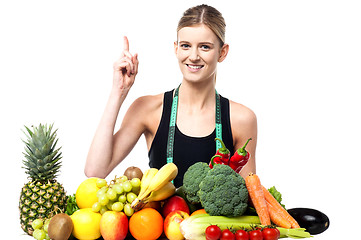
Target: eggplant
pixel 312 220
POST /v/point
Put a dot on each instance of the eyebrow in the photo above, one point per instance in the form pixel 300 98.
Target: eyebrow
pixel 201 43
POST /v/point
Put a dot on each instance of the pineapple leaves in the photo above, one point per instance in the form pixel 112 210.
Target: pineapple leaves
pixel 37 153
pixel 42 159
pixel 29 164
pixel 29 131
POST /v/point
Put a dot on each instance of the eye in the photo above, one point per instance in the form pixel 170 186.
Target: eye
pixel 205 47
pixel 185 45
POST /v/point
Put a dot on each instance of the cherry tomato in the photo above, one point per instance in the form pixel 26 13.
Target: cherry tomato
pixel 227 235
pixel 213 232
pixel 278 232
pixel 241 235
pixel 255 235
pixel 270 234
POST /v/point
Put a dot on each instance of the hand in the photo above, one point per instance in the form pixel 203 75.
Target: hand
pixel 125 68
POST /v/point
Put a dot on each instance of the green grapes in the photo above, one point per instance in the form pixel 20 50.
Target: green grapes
pixel 117 195
pixel 118 188
pixel 111 194
pixel 128 210
pixel 103 200
pixel 131 196
pixel 117 206
pixel 103 209
pixel 39 234
pixel 102 191
pixel 37 224
pixel 135 182
pixel 40 229
pixel 101 183
pixel 96 207
pixel 127 186
pixel 46 225
pixel 122 198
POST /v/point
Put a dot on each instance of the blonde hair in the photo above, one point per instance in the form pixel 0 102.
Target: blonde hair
pixel 207 15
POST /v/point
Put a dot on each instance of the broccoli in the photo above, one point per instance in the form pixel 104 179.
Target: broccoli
pixel 223 192
pixel 192 178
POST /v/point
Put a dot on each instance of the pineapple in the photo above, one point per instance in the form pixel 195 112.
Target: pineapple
pixel 43 196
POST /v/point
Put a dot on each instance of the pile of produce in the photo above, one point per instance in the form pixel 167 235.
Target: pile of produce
pixel 215 202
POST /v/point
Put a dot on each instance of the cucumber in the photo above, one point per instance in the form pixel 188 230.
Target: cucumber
pixel 314 221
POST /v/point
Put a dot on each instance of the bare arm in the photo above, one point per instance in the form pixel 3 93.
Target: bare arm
pixel 244 126
pixel 99 161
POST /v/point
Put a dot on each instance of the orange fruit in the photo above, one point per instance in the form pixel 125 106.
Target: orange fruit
pixel 146 224
pixel 199 211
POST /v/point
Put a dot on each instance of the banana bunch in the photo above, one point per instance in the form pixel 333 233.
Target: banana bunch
pixel 156 185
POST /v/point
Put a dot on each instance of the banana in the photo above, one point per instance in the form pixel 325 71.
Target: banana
pixel 146 180
pixel 165 192
pixel 156 184
pixel 161 194
pixel 166 174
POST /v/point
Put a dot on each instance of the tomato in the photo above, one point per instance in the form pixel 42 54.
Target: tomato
pixel 270 234
pixel 227 235
pixel 213 232
pixel 241 235
pixel 255 235
pixel 278 232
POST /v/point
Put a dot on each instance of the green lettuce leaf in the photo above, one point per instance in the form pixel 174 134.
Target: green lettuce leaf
pixel 71 205
pixel 277 195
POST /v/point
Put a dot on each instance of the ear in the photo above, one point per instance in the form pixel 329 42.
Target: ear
pixel 175 47
pixel 224 52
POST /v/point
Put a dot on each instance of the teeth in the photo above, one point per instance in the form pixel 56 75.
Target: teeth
pixel 195 66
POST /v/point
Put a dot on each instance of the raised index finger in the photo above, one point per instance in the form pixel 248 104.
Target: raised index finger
pixel 126 44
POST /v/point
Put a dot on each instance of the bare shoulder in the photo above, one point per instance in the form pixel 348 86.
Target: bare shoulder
pixel 240 114
pixel 145 111
pixel 148 103
pixel 243 123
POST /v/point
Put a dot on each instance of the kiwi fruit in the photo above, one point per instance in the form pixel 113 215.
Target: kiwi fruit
pixel 60 227
pixel 133 172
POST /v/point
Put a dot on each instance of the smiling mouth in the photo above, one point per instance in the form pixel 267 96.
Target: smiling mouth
pixel 194 67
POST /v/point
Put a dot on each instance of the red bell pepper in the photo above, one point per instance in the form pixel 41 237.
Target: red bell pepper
pixel 239 158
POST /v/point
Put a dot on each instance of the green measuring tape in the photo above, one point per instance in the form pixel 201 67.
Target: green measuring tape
pixel 173 119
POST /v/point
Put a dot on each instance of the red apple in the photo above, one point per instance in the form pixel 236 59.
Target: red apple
pixel 114 225
pixel 174 203
pixel 172 223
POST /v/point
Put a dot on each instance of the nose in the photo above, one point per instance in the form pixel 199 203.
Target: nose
pixel 194 55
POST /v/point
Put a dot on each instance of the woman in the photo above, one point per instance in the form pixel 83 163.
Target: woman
pixel 200 46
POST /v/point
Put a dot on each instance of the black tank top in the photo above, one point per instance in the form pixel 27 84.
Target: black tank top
pixel 187 150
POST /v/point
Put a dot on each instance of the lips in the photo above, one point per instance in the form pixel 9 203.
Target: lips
pixel 194 68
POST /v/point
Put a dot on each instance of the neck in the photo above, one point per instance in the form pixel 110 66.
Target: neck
pixel 197 96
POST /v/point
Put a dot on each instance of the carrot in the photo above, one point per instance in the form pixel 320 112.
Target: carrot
pixel 275 204
pixel 277 217
pixel 255 191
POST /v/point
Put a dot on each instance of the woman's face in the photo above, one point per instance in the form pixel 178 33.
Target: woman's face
pixel 198 51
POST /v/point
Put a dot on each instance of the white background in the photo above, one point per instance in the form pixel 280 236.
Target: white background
pixel 296 64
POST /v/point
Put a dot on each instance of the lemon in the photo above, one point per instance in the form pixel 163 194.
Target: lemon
pixel 86 194
pixel 86 224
